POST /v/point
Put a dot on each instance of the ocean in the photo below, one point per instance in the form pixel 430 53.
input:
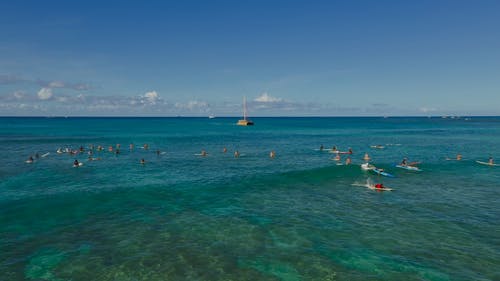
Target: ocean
pixel 297 216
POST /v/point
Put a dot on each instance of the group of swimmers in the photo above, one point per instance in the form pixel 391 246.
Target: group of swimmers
pixel 116 150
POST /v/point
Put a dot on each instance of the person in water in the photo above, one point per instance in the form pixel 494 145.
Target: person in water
pixel 224 150
pixel 321 148
pixel 30 160
pixel 366 157
pixel 143 161
pixel 379 185
pixel 272 154
pixel 75 163
pixel 203 153
pixel 236 154
pixel 404 162
pixel 349 151
pixel 337 157
pixel 348 161
pixel 490 161
pixel 459 157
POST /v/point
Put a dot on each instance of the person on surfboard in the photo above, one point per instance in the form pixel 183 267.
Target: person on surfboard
pixel 490 161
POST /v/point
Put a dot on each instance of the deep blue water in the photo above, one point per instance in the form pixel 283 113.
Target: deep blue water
pixel 181 216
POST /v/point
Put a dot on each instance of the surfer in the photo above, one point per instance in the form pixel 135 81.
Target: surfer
pixel 490 161
pixel 236 154
pixel 379 186
pixel 203 153
pixel 30 160
pixel 321 148
pixel 337 157
pixel 146 146
pixel 348 161
pixel 75 163
pixel 272 154
pixel 334 148
pixel 224 150
pixel 131 146
pixel 349 151
pixel 366 157
pixel 404 162
pixel 143 161
pixel 459 157
pixel 158 152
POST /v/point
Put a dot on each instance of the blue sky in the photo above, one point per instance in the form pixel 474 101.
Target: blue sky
pixel 289 58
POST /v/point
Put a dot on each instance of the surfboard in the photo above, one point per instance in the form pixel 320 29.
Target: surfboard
pixel 410 168
pixel 367 167
pixel 45 155
pixel 486 163
pixel 29 161
pixel 372 187
pixel 79 164
pixel 382 173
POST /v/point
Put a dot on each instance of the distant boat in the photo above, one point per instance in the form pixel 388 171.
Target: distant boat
pixel 244 121
pixel 211 116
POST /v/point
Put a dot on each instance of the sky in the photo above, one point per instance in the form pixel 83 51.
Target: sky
pixel 289 58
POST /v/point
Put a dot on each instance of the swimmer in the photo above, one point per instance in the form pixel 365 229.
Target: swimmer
pixel 366 157
pixel 348 161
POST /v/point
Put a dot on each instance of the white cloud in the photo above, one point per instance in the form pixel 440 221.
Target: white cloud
pixel 55 84
pixel 267 98
pixel 193 105
pixel 151 97
pixel 18 95
pixel 427 109
pixel 45 93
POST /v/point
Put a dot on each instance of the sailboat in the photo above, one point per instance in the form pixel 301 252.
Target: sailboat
pixel 244 121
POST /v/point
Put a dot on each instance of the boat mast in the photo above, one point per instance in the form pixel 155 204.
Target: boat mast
pixel 244 108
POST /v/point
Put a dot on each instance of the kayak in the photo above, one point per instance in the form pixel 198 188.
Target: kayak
pixel 410 168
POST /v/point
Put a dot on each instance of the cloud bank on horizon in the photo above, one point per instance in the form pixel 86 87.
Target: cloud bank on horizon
pixel 320 58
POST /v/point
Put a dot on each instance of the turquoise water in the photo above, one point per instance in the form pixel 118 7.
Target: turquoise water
pixel 295 217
